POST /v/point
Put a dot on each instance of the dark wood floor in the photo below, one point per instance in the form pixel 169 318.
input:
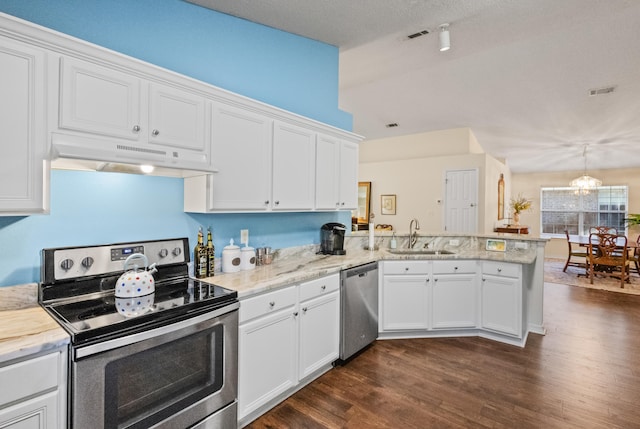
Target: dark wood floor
pixel 585 373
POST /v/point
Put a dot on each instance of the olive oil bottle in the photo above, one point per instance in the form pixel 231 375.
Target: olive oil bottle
pixel 200 257
pixel 211 250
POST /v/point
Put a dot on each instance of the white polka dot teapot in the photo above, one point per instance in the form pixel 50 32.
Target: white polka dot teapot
pixel 136 282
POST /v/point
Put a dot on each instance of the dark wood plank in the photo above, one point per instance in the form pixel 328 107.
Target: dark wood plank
pixel 585 373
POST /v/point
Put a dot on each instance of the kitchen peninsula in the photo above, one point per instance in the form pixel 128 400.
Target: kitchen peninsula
pixel 301 264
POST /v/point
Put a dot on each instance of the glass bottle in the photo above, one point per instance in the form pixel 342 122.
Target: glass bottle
pixel 200 257
pixel 211 250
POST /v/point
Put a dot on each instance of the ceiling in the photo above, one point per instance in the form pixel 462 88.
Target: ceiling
pixel 518 73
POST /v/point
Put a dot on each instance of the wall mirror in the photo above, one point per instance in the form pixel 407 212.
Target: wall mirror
pixel 364 201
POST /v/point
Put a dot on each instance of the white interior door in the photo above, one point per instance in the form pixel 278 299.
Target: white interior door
pixel 461 201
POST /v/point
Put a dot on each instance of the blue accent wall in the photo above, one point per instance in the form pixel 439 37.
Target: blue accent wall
pixel 287 71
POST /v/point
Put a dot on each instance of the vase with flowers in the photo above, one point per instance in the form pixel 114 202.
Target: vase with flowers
pixel 519 205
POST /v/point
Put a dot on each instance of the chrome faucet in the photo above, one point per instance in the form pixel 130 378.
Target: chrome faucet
pixel 413 235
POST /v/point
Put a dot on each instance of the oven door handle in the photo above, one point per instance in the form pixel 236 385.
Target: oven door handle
pixel 93 349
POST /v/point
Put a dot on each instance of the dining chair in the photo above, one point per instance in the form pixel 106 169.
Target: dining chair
pixel 575 253
pixel 609 252
pixel 635 258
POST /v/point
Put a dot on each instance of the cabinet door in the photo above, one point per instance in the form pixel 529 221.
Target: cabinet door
pixel 454 301
pixel 268 353
pixel 293 167
pixel 501 305
pixel 241 151
pixel 176 118
pixel 348 176
pixel 404 302
pixel 99 100
pixel 40 412
pixel 327 173
pixel 319 332
pixel 22 129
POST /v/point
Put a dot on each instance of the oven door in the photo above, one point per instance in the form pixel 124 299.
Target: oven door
pixel 172 376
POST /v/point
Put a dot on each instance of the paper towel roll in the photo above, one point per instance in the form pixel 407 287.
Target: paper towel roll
pixel 372 242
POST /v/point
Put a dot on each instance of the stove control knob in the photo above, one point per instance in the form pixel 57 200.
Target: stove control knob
pixel 87 262
pixel 66 264
pixel 177 251
pixel 163 253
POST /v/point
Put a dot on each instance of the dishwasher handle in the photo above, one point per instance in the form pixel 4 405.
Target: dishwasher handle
pixel 360 271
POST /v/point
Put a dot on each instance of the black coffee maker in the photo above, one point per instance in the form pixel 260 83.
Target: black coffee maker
pixel 332 239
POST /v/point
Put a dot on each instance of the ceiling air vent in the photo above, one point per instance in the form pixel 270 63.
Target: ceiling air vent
pixel 601 91
pixel 392 125
pixel 418 34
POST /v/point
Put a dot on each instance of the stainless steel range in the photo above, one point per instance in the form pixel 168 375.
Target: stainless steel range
pixel 167 359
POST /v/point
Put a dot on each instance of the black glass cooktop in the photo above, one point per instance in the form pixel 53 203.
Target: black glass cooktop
pixel 100 316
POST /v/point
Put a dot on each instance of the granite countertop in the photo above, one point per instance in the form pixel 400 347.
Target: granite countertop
pixel 25 327
pixel 305 264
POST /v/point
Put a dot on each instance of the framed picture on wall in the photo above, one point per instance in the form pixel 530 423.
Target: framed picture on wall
pixel 501 197
pixel 388 204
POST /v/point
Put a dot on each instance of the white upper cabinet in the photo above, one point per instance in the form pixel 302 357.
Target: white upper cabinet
pixel 23 168
pixel 176 118
pixel 241 148
pixel 336 174
pixel 327 173
pixel 348 176
pixel 99 100
pixel 293 167
pixel 101 106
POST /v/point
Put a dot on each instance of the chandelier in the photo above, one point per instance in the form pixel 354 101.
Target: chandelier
pixel 585 183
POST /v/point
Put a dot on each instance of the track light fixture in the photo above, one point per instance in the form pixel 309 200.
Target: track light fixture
pixel 445 41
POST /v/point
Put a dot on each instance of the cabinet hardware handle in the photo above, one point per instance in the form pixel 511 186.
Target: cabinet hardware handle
pixel 277 202
pixel 323 287
pixel 295 314
pixel 455 268
pixel 272 304
pixel 266 202
pixel 435 280
pixel 428 280
pixel 499 270
pixel 406 268
pixel 304 310
pixel 342 203
pixel 136 128
pixel 155 132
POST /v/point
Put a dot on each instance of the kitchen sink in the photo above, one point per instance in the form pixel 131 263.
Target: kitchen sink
pixel 420 252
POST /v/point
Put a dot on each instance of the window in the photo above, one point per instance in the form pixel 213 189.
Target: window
pixel 563 208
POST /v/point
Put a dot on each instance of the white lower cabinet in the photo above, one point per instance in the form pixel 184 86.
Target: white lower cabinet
pixel 404 295
pixel 319 325
pixel 33 394
pixel 454 297
pixel 404 302
pixel 285 336
pixel 501 298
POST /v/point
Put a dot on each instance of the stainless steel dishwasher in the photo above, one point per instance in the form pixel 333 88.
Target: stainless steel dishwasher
pixel 359 308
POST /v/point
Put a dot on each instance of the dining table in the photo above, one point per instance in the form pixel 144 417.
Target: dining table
pixel 583 240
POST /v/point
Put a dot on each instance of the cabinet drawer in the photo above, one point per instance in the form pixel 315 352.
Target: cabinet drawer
pixel 270 302
pixel 502 269
pixel 29 377
pixel 454 267
pixel 321 286
pixel 407 267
